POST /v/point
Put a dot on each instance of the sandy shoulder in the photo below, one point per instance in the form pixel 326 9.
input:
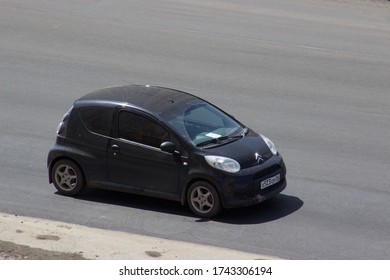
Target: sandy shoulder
pixel 92 243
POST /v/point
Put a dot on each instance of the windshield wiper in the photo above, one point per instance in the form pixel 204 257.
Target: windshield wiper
pixel 222 139
pixel 211 141
pixel 242 133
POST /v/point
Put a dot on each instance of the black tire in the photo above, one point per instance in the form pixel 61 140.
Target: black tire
pixel 67 177
pixel 203 199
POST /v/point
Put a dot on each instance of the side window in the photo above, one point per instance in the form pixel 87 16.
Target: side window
pixel 97 119
pixel 136 128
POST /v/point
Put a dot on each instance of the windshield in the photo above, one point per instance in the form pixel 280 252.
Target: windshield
pixel 203 124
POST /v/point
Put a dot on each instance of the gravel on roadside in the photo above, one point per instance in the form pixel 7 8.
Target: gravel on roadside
pixel 12 251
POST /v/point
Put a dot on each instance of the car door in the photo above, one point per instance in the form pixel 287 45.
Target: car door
pixel 135 160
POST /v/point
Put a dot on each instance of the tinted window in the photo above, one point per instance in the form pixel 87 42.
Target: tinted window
pixel 136 128
pixel 97 119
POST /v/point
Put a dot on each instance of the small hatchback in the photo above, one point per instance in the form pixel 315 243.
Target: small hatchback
pixel 164 143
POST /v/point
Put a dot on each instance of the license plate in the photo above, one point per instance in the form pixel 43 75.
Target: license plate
pixel 270 181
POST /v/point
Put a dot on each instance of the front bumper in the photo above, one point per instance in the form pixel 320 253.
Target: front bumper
pixel 243 189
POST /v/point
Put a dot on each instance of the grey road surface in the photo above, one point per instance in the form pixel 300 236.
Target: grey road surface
pixel 313 75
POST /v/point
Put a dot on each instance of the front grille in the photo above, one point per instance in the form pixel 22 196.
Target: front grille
pixel 267 171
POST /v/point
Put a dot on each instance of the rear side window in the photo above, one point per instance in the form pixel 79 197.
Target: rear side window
pixel 97 119
pixel 136 128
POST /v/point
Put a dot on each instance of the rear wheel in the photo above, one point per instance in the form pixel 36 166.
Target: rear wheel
pixel 67 177
pixel 203 199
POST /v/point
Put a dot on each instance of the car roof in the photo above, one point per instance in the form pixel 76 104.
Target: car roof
pixel 151 98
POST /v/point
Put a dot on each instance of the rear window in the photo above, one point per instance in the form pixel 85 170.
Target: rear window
pixel 97 119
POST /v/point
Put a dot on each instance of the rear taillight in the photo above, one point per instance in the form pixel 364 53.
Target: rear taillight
pixel 61 128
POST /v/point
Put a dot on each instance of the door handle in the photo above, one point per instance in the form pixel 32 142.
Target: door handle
pixel 115 149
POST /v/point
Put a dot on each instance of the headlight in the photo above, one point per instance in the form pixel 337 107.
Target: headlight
pixel 223 163
pixel 270 145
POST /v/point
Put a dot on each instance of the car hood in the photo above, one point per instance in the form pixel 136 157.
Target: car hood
pixel 249 151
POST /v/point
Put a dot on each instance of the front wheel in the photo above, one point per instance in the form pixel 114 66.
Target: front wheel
pixel 67 177
pixel 203 199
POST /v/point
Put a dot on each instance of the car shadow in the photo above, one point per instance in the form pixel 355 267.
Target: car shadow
pixel 273 209
pixel 133 201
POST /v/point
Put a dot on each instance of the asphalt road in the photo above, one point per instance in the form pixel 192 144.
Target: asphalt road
pixel 314 76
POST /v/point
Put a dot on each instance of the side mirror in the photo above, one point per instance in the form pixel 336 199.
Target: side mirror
pixel 168 147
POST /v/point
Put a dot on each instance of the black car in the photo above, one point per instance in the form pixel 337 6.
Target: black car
pixel 164 143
